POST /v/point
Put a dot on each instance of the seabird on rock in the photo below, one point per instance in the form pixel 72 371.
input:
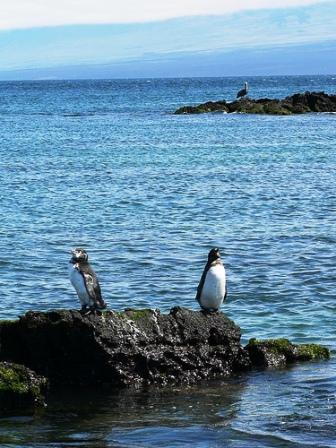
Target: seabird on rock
pixel 85 282
pixel 243 91
pixel 212 291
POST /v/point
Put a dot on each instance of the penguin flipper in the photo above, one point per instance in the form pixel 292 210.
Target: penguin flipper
pixel 198 294
pixel 201 284
pixel 99 298
pixel 93 288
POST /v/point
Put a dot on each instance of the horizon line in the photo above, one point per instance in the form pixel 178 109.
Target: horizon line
pixel 166 77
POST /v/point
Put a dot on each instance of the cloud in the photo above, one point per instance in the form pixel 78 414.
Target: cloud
pixel 105 44
pixel 40 13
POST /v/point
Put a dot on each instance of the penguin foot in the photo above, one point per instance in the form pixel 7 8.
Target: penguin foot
pixel 101 306
pixel 209 311
pixel 85 310
pixel 93 310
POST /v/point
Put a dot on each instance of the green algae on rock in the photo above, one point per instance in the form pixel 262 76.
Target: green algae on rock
pixel 299 103
pixel 311 352
pixel 20 387
pixel 135 314
pixel 210 106
pixel 281 352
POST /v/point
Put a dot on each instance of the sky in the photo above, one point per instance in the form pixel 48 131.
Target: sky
pixel 45 34
pixel 33 13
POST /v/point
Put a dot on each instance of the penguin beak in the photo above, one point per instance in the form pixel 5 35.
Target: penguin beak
pixel 73 254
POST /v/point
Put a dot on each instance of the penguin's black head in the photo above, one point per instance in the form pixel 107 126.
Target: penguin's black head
pixel 79 255
pixel 213 255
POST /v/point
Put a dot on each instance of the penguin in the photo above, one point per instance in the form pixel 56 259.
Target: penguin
pixel 212 290
pixel 85 282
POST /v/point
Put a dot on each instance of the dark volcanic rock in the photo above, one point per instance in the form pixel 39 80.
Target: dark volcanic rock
pixel 261 106
pixel 139 347
pixel 311 102
pixel 129 348
pixel 281 352
pixel 296 104
pixel 210 106
pixel 20 387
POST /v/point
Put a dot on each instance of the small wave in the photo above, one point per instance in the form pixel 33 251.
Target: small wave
pixel 274 440
pixel 78 114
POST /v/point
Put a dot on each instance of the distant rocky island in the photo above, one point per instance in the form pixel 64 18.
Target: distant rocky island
pixel 299 103
pixel 63 348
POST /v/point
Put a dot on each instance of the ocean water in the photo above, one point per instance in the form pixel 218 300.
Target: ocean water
pixel 107 166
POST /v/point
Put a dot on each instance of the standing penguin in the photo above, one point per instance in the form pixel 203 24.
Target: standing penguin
pixel 211 291
pixel 85 282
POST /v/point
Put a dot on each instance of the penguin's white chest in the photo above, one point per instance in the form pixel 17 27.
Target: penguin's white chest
pixel 77 281
pixel 213 290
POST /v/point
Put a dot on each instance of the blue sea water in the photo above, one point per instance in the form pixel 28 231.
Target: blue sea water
pixel 107 166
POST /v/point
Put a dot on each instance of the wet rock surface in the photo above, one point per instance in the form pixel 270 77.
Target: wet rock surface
pixel 298 103
pixel 138 347
pixel 130 348
pixel 20 387
pixel 281 352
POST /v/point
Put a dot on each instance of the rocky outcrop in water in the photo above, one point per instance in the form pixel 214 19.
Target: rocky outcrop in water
pixel 281 352
pixel 20 387
pixel 299 103
pixel 138 347
pixel 122 349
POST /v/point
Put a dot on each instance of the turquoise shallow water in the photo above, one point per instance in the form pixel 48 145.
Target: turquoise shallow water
pixel 105 165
